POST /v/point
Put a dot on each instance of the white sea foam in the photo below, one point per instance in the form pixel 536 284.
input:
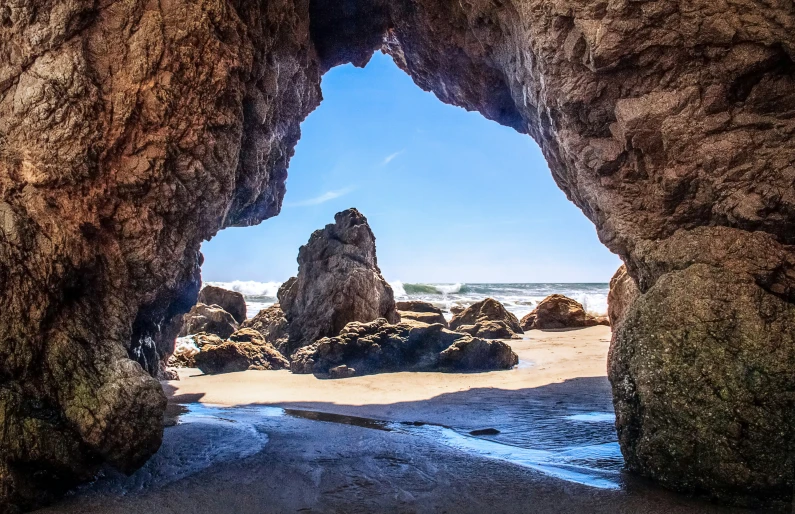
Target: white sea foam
pixel 250 287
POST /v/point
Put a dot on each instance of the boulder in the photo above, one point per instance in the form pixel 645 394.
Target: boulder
pixel 341 372
pixel 203 339
pixel 558 311
pixel 487 319
pixel 623 293
pixel 245 350
pixel 231 301
pixel 272 326
pixel 338 282
pixel 418 310
pixel 380 347
pixel 475 354
pixel 210 319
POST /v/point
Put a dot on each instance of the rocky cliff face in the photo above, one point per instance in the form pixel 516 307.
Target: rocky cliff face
pixel 130 132
pixel 338 282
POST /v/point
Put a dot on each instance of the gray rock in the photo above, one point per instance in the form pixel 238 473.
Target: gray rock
pixel 338 282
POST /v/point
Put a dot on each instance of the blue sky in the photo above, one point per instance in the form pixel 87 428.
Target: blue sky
pixel 450 196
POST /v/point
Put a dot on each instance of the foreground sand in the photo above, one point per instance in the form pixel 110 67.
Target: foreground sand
pixel 545 357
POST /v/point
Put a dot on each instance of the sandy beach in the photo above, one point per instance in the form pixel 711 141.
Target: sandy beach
pixel 271 441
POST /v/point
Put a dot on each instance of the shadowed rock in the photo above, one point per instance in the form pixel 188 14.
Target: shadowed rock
pixel 558 311
pixel 487 319
pixel 418 310
pixel 338 282
pixel 231 301
pixel 210 319
pixel 378 347
pixel 272 326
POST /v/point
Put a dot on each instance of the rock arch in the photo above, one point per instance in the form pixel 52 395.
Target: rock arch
pixel 132 131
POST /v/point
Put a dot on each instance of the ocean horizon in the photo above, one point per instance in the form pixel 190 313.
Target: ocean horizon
pixel 518 297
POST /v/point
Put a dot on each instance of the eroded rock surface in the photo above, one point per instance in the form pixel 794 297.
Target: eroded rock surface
pixel 623 293
pixel 210 319
pixel 272 325
pixel 338 282
pixel 245 350
pixel 559 311
pixel 131 132
pixel 378 347
pixel 487 319
pixel 419 310
pixel 231 301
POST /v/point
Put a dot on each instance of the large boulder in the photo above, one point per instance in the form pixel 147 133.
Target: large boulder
pixel 272 326
pixel 623 293
pixel 475 354
pixel 487 319
pixel 407 346
pixel 245 350
pixel 210 319
pixel 558 311
pixel 338 282
pixel 418 310
pixel 699 407
pixel 231 301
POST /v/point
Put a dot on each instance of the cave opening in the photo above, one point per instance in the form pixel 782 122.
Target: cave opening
pixel 453 199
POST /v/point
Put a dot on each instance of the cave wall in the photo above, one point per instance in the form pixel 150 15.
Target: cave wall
pixel 131 131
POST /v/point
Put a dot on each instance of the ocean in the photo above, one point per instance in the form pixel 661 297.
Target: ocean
pixel 518 298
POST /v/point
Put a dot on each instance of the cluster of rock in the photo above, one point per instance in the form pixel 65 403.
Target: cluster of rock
pixel 378 346
pixel 558 311
pixel 338 318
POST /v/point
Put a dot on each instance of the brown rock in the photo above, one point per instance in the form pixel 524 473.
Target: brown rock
pixel 245 350
pixel 272 326
pixel 487 319
pixel 338 282
pixel 231 301
pixel 623 293
pixel 558 311
pixel 377 347
pixel 210 319
pixel 475 354
pixel 457 309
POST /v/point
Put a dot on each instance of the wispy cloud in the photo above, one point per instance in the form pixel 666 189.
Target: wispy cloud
pixel 389 158
pixel 325 197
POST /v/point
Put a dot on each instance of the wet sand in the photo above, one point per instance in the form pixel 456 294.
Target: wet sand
pixel 400 442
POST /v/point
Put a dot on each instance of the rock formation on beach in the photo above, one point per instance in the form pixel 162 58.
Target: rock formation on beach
pixel 210 319
pixel 231 301
pixel 487 319
pixel 418 310
pixel 131 132
pixel 558 311
pixel 338 282
pixel 245 350
pixel 378 347
pixel 272 325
